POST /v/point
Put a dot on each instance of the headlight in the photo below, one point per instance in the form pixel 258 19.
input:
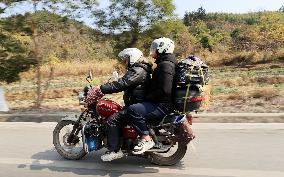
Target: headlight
pixel 82 98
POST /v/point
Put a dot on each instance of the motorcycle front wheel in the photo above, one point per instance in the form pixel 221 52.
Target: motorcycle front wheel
pixel 71 151
pixel 172 157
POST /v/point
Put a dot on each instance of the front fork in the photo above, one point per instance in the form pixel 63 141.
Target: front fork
pixel 73 138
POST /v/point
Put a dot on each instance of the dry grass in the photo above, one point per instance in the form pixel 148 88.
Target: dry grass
pixel 98 68
pixel 252 92
pixel 267 93
pixel 229 87
pixel 239 95
pixel 54 99
pixel 269 79
pixel 232 82
pixel 47 104
pixel 212 59
pixel 225 57
pixel 248 81
pixel 207 95
pixel 243 58
pixel 244 84
pixel 50 94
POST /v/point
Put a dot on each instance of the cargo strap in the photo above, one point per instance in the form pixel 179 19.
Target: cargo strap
pixel 188 85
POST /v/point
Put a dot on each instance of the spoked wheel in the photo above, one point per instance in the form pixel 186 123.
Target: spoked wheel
pixel 71 149
pixel 173 156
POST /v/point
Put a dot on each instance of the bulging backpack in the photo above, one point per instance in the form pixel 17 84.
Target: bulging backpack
pixel 191 75
pixel 192 70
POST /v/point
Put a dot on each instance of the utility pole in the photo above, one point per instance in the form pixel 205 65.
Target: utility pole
pixel 3 104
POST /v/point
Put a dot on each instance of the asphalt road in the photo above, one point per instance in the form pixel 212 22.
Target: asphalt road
pixel 219 150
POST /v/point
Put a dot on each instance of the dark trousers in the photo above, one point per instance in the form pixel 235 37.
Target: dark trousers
pixel 114 125
pixel 135 115
pixel 138 115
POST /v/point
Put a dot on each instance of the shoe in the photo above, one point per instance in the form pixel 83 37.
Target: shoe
pixel 143 146
pixel 111 155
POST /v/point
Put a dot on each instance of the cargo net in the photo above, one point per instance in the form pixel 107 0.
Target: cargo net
pixel 192 70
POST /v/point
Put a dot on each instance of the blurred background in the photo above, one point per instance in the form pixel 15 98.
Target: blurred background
pixel 47 48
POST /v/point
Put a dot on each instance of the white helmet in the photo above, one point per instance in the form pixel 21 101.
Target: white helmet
pixel 162 45
pixel 133 54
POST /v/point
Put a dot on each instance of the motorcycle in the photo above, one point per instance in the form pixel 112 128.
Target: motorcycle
pixel 73 138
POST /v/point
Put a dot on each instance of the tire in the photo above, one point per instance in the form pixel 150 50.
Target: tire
pixel 158 159
pixel 59 148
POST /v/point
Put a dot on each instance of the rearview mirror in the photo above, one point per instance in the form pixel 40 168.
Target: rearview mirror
pixel 90 77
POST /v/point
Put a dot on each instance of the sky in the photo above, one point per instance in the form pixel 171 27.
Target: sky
pixel 230 6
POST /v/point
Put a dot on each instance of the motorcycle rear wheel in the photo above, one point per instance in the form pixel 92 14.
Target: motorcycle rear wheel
pixel 163 160
pixel 70 155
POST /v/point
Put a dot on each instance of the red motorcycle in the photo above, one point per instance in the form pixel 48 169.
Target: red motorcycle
pixel 73 138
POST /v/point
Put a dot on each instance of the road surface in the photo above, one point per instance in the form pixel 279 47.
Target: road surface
pixel 198 118
pixel 219 150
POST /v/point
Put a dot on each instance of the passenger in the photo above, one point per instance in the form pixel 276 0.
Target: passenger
pixel 159 96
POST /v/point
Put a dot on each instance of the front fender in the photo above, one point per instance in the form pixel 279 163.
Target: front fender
pixel 70 117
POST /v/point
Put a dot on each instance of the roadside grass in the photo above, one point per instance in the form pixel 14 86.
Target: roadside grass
pixel 59 103
pixel 208 97
pixel 237 87
pixel 267 93
pixel 76 68
pixel 224 57
pixel 244 93
pixel 228 86
pixel 61 93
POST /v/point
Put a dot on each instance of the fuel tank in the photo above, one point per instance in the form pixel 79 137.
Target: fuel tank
pixel 106 108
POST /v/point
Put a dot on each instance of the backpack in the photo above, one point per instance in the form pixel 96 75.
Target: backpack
pixel 191 75
pixel 192 70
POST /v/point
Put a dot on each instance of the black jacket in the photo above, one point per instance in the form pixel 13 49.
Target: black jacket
pixel 133 83
pixel 163 80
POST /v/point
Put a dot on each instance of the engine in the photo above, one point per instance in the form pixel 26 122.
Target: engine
pixel 91 135
pixel 106 108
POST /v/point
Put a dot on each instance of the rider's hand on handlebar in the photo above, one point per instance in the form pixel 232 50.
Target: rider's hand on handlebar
pixel 94 94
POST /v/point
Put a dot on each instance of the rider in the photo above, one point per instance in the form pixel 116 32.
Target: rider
pixel 159 97
pixel 134 84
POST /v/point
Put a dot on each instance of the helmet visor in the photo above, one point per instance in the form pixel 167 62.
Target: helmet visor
pixel 153 48
pixel 123 56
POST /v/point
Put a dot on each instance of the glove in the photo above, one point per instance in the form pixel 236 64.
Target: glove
pixel 94 94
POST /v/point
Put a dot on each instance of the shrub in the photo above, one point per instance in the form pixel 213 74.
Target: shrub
pixel 267 93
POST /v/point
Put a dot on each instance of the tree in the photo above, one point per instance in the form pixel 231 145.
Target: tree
pixel 72 9
pixel 191 17
pixel 14 56
pixel 281 9
pixel 203 34
pixel 130 18
pixel 173 29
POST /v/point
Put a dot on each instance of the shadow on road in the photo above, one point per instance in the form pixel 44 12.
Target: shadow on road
pixel 92 165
